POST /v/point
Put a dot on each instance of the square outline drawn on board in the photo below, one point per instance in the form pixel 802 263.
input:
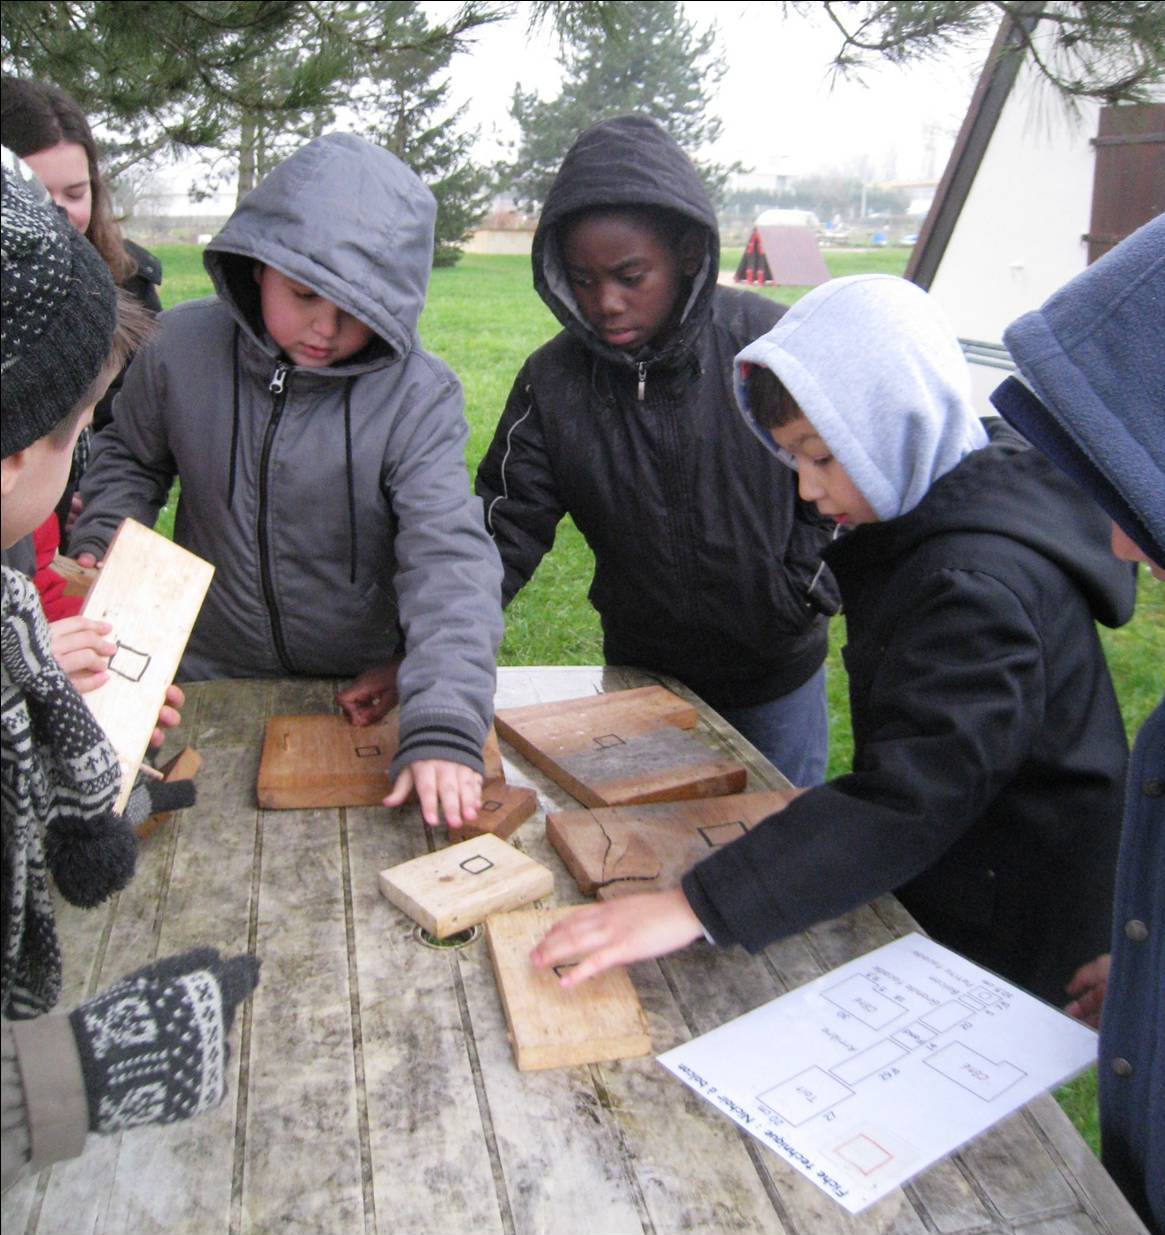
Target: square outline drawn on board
pixel 707 829
pixel 477 870
pixel 367 752
pixel 123 669
pixel 561 968
pixel 490 805
pixel 606 740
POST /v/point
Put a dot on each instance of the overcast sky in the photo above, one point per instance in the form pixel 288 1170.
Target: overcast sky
pixel 783 109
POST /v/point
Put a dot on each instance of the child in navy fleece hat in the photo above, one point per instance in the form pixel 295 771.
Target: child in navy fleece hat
pixel 1094 356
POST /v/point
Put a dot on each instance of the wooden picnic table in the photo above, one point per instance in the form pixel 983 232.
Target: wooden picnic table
pixel 372 1087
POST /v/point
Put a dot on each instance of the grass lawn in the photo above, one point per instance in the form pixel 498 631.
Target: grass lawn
pixel 483 319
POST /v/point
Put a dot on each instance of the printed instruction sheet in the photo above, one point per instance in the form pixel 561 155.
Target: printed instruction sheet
pixel 867 1075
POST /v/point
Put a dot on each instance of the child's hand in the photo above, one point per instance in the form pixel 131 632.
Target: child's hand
pixel 452 786
pixel 169 717
pixel 632 928
pixel 79 645
pixel 371 695
pixel 87 560
pixel 1088 987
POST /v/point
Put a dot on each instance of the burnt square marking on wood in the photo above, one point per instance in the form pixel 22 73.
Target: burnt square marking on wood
pixel 609 739
pixel 559 970
pixel 490 805
pixel 717 834
pixel 366 752
pixel 129 663
pixel 434 889
pixel 476 865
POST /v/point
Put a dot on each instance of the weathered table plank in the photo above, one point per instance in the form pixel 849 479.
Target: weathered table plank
pixel 373 1088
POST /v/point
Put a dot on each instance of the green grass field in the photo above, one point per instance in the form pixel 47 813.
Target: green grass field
pixel 483 319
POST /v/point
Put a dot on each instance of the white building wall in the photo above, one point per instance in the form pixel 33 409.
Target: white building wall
pixel 1020 234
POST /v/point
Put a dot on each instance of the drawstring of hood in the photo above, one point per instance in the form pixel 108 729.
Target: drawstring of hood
pixel 348 384
pixel 234 416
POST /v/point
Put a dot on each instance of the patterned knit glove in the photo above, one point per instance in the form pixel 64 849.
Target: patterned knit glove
pixel 154 1046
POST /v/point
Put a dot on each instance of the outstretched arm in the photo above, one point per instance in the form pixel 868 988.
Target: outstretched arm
pixel 617 932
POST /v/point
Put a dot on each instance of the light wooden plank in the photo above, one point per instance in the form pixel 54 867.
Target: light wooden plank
pixel 150 590
pixel 458 887
pixel 630 746
pixel 551 1027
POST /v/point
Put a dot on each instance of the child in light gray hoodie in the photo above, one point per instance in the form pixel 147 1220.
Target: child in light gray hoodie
pixel 988 747
pixel 321 455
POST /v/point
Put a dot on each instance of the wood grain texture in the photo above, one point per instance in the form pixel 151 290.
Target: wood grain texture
pixel 458 887
pixel 617 851
pixel 150 590
pixel 322 760
pixel 600 1019
pixel 78 579
pixel 629 746
pixel 184 766
pixel 371 1085
pixel 504 808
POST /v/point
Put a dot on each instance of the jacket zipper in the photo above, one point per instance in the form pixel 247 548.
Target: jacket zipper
pixel 278 388
pixel 641 370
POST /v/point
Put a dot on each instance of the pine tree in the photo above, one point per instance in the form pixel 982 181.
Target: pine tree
pixel 407 107
pixel 650 59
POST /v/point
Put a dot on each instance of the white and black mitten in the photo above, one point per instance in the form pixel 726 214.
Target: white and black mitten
pixel 154 1046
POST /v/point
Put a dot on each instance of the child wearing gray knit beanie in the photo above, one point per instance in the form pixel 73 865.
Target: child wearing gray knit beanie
pixel 127 1056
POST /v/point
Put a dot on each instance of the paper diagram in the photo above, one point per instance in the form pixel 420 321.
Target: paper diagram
pixel 880 1068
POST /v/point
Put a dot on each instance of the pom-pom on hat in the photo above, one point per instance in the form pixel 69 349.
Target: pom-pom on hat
pixel 58 315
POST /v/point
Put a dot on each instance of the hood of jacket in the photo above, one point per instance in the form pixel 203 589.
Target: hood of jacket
pixel 347 219
pixel 1094 355
pixel 895 411
pixel 628 161
pixel 1006 489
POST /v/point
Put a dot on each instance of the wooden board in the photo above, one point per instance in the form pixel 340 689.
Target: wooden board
pixel 323 761
pixel 458 887
pixel 620 850
pixel 150 590
pixel 628 746
pixel 504 808
pixel 184 766
pixel 551 1028
pixel 78 579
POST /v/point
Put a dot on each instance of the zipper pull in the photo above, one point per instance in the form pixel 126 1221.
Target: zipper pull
pixel 641 369
pixel 277 379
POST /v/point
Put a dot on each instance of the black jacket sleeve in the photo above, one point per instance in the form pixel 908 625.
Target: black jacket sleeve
pixel 947 720
pixel 518 489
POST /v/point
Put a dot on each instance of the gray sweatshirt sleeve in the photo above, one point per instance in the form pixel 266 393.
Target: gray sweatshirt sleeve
pixel 131 468
pixel 448 580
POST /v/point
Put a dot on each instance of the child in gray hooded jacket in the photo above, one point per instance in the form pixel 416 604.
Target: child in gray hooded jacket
pixel 321 456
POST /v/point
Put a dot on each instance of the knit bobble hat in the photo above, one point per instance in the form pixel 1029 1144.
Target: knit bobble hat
pixel 58 318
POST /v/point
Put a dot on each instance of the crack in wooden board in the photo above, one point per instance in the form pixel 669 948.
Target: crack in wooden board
pixel 676 834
